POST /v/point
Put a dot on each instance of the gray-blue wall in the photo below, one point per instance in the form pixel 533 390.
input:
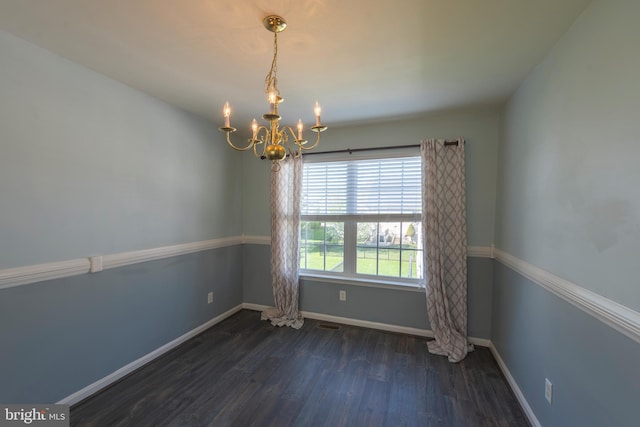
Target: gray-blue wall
pixel 61 335
pixel 389 306
pixel 89 166
pixel 568 202
pixel 594 369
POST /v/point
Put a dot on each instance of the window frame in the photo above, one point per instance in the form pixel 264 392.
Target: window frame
pixel 349 274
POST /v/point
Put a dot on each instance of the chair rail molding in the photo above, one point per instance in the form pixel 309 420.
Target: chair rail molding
pixel 24 275
pixel 18 276
pixel 619 317
pixel 10 277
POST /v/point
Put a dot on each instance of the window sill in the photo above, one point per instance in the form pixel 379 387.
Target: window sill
pixel 357 281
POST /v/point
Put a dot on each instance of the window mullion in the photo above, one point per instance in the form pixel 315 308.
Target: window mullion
pixel 350 237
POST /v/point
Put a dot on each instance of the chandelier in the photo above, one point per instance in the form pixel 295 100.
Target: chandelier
pixel 275 141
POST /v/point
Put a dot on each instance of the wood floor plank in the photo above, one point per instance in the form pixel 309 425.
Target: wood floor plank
pixel 403 388
pixel 245 372
pixel 347 394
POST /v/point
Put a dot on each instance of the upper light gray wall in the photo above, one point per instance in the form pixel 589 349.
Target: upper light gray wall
pixel 569 197
pixel 90 166
pixel 479 127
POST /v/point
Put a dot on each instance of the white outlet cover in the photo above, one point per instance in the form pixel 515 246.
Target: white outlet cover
pixel 548 390
pixel 343 295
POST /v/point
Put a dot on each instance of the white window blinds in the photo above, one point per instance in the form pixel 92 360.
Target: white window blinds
pixel 362 187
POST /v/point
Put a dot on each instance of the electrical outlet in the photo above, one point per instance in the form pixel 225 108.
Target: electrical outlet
pixel 548 390
pixel 343 295
pixel 210 298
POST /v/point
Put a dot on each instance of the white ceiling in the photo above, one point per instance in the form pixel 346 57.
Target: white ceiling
pixel 363 60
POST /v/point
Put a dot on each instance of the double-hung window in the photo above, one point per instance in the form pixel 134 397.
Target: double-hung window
pixel 361 218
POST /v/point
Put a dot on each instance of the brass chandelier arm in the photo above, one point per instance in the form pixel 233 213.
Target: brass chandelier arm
pixel 284 138
pixel 293 134
pixel 275 134
pixel 228 132
pixel 260 140
pixel 255 149
pixel 301 143
pixel 315 144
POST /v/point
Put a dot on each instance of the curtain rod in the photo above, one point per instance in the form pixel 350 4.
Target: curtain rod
pixel 389 147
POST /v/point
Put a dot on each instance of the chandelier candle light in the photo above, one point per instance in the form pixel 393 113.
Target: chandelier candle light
pixel 274 140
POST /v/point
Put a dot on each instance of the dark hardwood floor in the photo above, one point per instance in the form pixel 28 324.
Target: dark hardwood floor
pixel 245 372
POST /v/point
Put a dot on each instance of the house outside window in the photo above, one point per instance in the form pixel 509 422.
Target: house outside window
pixel 361 218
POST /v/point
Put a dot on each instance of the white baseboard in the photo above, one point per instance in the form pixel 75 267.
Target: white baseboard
pixel 514 386
pixel 127 369
pixel 352 322
pixel 254 307
pixel 482 342
pixel 367 324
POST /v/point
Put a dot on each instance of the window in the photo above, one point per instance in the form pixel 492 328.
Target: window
pixel 361 218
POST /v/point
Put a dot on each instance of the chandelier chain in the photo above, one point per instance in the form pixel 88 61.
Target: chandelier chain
pixel 271 81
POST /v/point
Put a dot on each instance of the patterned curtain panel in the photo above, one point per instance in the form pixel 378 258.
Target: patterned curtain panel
pixel 445 230
pixel 286 185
